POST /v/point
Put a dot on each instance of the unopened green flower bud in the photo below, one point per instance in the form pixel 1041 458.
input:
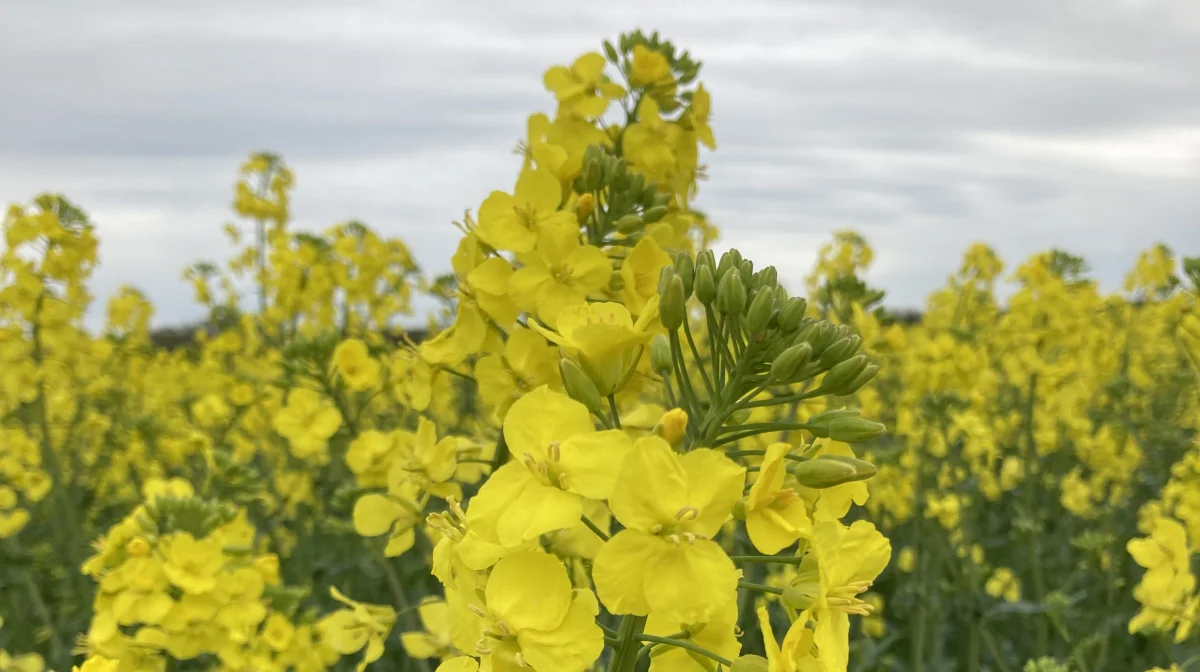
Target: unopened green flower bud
pixel 739 510
pixel 769 277
pixel 685 268
pixel 789 362
pixel 731 294
pixel 707 258
pixel 637 184
pixel 838 380
pixel 672 305
pixel 590 180
pixel 610 52
pixel 863 378
pixel 705 285
pixel 822 337
pixel 792 313
pixel 840 351
pixel 661 360
pixel 579 386
pixel 653 214
pixel 760 312
pixel 746 269
pixel 649 196
pixel 855 430
pixel 863 468
pixel 729 260
pixel 629 223
pixel 664 278
pixel 662 198
pixel 749 663
pixel 819 473
pixel 824 417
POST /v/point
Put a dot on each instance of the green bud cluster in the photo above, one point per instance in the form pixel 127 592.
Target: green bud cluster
pixel 629 203
pixel 194 515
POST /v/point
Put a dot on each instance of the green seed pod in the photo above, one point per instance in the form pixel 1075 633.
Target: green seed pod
pixel 789 362
pixel 838 379
pixel 705 285
pixel 863 378
pixel 760 311
pixel 731 294
pixel 653 214
pixel 671 304
pixel 855 430
pixel 579 386
pixel 749 663
pixel 661 360
pixel 685 270
pixel 819 473
pixel 792 314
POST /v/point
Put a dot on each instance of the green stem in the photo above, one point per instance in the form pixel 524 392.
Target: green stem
pixel 759 588
pixel 708 386
pixel 594 528
pixel 683 644
pixel 612 405
pixel 625 650
pixel 781 560
pixel 402 603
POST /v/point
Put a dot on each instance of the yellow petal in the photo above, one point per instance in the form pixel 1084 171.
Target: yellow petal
pixel 529 590
pixel 690 582
pixel 574 645
pixel 618 571
pixel 591 461
pixel 374 514
pixel 651 487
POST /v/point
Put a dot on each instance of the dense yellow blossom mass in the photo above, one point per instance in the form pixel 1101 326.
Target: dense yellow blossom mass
pixel 614 449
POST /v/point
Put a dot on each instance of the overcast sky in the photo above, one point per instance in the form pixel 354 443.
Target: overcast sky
pixel 925 124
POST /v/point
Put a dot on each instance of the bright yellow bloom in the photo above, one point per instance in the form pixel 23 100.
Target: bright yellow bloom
pixel 362 625
pixel 513 222
pixel 559 459
pixel 649 67
pixel 394 514
pixel 307 422
pixel 530 617
pixel 582 89
pixel 193 564
pixel 775 516
pixel 640 272
pixel 353 362
pixel 560 273
pixel 665 561
pixel 795 654
pixel 1003 583
pixel 605 340
pixel 434 641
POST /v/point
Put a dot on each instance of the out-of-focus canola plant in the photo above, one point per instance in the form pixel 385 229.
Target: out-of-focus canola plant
pixel 616 450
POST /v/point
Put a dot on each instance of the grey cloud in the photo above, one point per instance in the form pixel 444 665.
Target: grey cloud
pixel 927 125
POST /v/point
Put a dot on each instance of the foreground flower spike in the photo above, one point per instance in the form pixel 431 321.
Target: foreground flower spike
pixel 666 562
